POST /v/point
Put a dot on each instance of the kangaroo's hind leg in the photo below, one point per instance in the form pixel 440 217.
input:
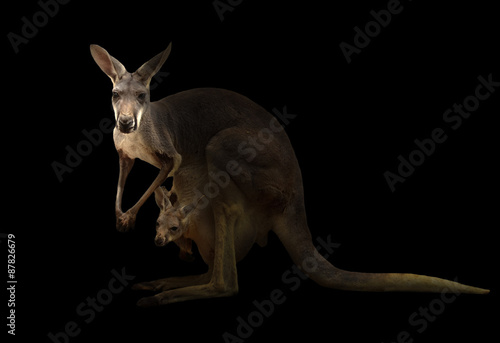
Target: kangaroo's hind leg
pixel 223 281
pixel 227 207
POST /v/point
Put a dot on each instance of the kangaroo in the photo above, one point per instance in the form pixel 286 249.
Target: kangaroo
pixel 182 223
pixel 202 137
pixel 174 222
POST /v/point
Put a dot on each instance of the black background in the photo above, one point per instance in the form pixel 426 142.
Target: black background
pixel 352 121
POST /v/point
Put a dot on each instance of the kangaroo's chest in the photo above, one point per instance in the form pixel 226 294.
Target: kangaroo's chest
pixel 132 147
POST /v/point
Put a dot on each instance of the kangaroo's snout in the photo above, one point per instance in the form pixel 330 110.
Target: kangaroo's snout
pixel 126 123
pixel 160 241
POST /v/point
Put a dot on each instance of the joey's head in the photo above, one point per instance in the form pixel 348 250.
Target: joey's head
pixel 171 223
pixel 130 93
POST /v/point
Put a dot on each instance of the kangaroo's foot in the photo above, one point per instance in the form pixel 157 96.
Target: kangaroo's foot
pixel 187 293
pixel 172 283
pixel 125 221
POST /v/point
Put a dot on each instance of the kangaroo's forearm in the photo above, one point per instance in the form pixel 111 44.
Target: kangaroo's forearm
pixel 126 165
pixel 162 176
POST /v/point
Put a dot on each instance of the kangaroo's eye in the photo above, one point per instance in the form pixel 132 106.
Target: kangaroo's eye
pixel 174 228
pixel 157 224
pixel 141 96
pixel 115 95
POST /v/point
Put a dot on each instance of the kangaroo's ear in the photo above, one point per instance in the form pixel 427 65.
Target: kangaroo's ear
pixel 108 64
pixel 185 210
pixel 188 208
pixel 161 198
pixel 151 67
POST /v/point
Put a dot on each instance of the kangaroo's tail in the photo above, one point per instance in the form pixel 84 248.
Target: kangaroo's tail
pixel 299 245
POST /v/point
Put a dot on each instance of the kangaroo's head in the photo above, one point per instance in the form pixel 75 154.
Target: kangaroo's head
pixel 172 221
pixel 130 94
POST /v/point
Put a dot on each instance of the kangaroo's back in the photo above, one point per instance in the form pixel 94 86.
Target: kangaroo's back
pixel 194 116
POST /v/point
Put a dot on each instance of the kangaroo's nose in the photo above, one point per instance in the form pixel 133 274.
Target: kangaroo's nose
pixel 125 123
pixel 160 241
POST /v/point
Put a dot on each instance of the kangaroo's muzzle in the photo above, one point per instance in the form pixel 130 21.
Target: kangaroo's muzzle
pixel 126 123
pixel 160 241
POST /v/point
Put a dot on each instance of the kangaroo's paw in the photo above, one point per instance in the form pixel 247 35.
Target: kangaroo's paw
pixel 125 222
pixel 183 294
pixel 145 286
pixel 172 283
pixel 148 302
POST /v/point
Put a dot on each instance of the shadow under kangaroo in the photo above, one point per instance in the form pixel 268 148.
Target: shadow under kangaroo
pixel 196 136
